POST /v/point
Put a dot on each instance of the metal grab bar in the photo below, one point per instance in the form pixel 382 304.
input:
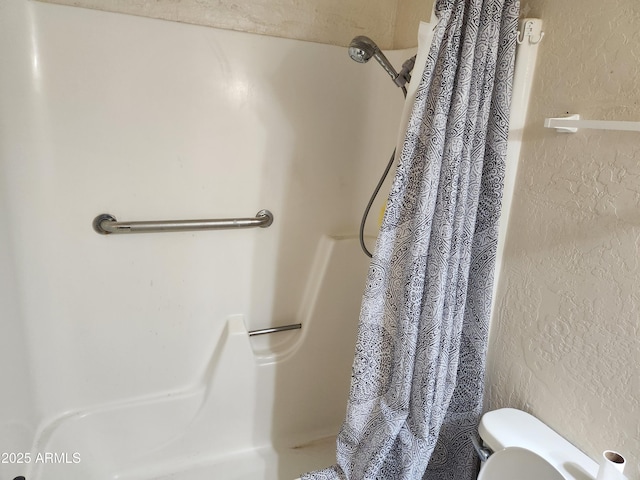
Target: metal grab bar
pixel 106 224
pixel 284 328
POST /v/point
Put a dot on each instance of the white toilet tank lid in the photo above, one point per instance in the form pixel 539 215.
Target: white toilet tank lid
pixel 509 427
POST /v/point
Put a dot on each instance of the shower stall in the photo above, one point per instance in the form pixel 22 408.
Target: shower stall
pixel 129 356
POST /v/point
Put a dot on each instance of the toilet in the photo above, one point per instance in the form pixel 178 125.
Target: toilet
pixel 518 446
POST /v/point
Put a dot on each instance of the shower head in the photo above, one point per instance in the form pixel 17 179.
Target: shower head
pixel 362 48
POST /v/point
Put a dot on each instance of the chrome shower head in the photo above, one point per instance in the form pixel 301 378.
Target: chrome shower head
pixel 362 48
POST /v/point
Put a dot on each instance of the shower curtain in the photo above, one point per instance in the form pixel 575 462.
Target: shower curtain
pixel 417 378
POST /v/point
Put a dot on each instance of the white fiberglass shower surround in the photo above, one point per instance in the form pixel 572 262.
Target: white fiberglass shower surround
pixel 128 356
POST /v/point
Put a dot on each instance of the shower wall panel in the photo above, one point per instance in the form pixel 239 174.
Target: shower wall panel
pixel 147 120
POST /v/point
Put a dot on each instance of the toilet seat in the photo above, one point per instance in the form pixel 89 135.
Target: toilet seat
pixel 516 463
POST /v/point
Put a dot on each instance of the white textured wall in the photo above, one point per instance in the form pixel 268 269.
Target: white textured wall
pixel 391 23
pixel 565 342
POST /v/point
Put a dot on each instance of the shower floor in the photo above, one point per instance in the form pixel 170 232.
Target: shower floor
pixel 266 463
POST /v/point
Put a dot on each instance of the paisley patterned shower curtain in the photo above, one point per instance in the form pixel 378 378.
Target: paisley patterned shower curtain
pixel 417 379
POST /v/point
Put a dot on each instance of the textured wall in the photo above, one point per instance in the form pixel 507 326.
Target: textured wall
pixel 391 23
pixel 565 338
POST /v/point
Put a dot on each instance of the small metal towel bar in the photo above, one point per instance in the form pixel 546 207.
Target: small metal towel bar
pixel 284 328
pixel 106 224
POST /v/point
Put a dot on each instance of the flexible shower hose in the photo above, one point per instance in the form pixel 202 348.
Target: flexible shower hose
pixel 380 182
pixel 371 200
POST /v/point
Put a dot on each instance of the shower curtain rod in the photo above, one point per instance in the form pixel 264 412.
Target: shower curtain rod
pixel 106 224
